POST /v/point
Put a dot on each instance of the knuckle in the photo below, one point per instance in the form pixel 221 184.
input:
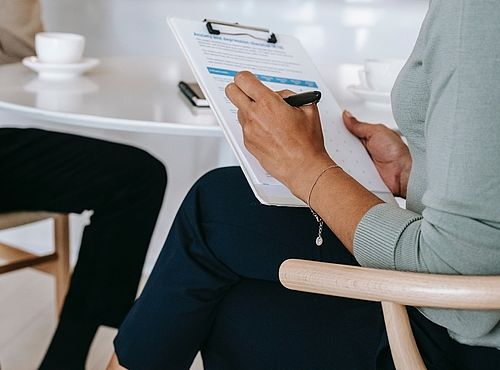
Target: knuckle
pixel 247 142
pixel 285 92
pixel 253 114
pixel 268 102
pixel 245 128
pixel 242 117
pixel 311 111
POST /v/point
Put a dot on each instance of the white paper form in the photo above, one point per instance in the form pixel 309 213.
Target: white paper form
pixel 215 60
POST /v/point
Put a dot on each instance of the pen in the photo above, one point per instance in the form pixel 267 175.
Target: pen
pixel 299 100
pixel 188 92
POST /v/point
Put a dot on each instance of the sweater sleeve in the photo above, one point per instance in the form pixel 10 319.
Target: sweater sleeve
pixel 458 231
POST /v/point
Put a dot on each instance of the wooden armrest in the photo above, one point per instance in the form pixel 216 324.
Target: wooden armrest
pixel 405 288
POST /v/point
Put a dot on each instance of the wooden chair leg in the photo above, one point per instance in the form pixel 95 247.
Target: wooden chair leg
pixel 405 353
pixel 62 269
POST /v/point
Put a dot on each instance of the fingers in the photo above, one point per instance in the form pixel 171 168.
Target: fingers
pixel 237 97
pixel 285 93
pixel 310 110
pixel 252 87
pixel 359 129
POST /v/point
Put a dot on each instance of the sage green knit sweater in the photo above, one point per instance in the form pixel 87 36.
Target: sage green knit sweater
pixel 447 103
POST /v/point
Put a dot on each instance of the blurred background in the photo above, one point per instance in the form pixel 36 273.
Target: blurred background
pixel 347 30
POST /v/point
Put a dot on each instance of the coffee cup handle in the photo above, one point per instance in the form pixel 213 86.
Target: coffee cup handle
pixel 362 78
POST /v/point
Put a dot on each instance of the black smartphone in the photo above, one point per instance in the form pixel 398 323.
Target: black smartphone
pixel 192 91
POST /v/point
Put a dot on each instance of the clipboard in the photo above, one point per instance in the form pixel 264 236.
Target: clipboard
pixel 216 51
pixel 243 30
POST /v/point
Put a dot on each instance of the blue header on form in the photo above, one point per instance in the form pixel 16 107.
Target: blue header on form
pixel 264 78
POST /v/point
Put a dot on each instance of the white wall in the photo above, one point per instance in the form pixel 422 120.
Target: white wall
pixel 346 30
pixel 331 30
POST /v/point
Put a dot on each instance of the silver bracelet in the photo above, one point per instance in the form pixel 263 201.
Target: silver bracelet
pixel 319 239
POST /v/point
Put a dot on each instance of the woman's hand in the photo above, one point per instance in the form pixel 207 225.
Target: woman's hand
pixel 287 141
pixel 388 151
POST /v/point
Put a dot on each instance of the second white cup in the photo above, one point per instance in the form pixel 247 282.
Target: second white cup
pixel 59 47
pixel 380 74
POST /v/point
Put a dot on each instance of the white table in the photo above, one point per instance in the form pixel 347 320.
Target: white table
pixel 140 95
pixel 131 94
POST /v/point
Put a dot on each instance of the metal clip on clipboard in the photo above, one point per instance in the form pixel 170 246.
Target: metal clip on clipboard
pixel 210 22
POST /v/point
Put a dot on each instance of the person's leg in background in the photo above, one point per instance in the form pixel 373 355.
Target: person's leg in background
pixel 221 236
pixel 123 186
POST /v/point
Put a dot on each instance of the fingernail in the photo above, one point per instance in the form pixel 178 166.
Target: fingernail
pixel 348 114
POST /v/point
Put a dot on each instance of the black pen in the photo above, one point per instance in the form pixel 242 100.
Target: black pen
pixel 310 97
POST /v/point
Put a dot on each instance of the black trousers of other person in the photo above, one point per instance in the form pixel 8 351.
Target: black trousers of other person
pixel 215 289
pixel 123 186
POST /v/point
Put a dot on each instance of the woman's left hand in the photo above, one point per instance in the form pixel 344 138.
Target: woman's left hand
pixel 287 141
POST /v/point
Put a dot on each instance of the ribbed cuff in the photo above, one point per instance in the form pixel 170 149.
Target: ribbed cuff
pixel 378 233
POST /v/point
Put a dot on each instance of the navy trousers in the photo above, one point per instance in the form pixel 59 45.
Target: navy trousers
pixel 215 288
pixel 124 186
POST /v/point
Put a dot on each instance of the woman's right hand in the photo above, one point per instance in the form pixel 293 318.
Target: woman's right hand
pixel 390 154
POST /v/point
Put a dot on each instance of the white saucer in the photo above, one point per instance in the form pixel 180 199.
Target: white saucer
pixel 371 96
pixel 54 71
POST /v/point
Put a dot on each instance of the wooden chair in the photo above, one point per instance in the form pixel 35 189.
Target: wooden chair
pixel 55 263
pixel 395 290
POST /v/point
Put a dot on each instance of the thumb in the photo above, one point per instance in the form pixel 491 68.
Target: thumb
pixel 285 93
pixel 359 129
pixel 311 110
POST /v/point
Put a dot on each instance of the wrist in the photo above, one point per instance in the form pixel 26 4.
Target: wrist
pixel 306 174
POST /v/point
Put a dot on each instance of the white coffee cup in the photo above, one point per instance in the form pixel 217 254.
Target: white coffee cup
pixel 59 47
pixel 380 74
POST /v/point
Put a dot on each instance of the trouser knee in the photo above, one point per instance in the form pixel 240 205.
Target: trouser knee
pixel 148 175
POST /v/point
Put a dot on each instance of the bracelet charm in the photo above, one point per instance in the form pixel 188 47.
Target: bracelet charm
pixel 319 239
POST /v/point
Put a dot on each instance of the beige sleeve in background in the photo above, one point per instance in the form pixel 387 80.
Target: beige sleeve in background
pixel 20 20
